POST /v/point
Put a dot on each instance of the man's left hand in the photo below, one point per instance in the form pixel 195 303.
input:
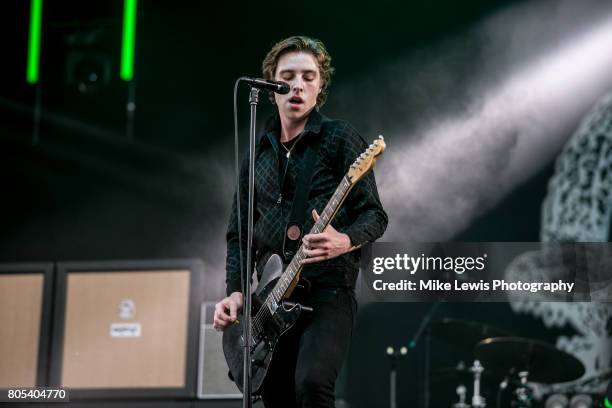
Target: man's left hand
pixel 325 245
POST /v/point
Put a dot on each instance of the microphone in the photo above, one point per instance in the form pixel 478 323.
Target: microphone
pixel 274 86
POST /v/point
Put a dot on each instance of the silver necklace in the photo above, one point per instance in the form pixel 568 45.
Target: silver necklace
pixel 295 139
pixel 288 150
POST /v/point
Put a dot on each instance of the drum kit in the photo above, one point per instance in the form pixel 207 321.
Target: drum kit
pixel 506 366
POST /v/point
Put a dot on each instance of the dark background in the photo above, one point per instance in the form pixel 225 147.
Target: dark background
pixel 85 191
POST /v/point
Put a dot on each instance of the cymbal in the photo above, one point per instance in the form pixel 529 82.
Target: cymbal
pixel 465 334
pixel 544 362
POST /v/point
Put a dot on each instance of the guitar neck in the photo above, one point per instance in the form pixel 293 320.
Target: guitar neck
pixel 283 287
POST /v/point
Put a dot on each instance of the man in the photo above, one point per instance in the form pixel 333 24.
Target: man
pixel 308 358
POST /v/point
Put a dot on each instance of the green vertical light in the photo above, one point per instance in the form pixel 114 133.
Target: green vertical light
pixel 608 403
pixel 34 41
pixel 128 41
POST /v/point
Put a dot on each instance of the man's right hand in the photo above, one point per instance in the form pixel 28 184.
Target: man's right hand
pixel 227 310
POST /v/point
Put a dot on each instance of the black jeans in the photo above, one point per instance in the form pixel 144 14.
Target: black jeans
pixel 308 358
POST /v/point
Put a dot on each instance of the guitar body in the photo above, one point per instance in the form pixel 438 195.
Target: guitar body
pixel 263 345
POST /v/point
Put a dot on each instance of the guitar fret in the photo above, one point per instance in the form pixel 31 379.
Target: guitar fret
pixel 324 219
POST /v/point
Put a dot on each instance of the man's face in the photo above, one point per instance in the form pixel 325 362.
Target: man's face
pixel 301 71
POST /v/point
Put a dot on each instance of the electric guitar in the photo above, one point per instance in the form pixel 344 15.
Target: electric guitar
pixel 271 315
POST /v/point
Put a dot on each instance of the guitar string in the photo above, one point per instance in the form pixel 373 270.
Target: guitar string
pixel 260 316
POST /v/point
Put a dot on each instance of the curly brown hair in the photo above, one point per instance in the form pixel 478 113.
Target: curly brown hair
pixel 300 43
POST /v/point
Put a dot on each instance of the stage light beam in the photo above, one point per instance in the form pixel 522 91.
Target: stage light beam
pixel 465 164
pixel 34 42
pixel 128 40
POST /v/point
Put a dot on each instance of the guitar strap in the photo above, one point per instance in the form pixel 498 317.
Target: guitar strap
pixel 294 230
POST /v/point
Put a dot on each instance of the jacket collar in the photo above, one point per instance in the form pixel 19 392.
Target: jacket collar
pixel 272 126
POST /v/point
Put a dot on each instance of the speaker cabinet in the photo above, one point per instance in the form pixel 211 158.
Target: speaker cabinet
pixel 213 380
pixel 126 329
pixel 25 298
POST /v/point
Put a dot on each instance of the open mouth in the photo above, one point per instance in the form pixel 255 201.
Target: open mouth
pixel 296 100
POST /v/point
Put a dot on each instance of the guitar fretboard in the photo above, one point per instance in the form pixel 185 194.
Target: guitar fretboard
pixel 281 287
pixel 295 266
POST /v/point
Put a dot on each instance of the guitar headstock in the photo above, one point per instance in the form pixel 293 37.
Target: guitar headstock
pixel 366 161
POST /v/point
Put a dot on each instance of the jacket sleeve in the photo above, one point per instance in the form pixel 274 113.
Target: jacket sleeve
pixel 363 202
pixel 234 256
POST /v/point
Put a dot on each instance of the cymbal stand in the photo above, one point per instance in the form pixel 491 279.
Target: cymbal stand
pixel 394 355
pixel 478 401
pixel 461 392
pixel 523 393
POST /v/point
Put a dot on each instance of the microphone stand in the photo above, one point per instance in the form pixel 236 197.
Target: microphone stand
pixel 425 326
pixel 247 401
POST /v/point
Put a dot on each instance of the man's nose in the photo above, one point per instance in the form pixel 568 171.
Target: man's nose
pixel 298 84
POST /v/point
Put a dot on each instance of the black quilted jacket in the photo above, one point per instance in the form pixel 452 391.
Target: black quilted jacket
pixel 361 216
